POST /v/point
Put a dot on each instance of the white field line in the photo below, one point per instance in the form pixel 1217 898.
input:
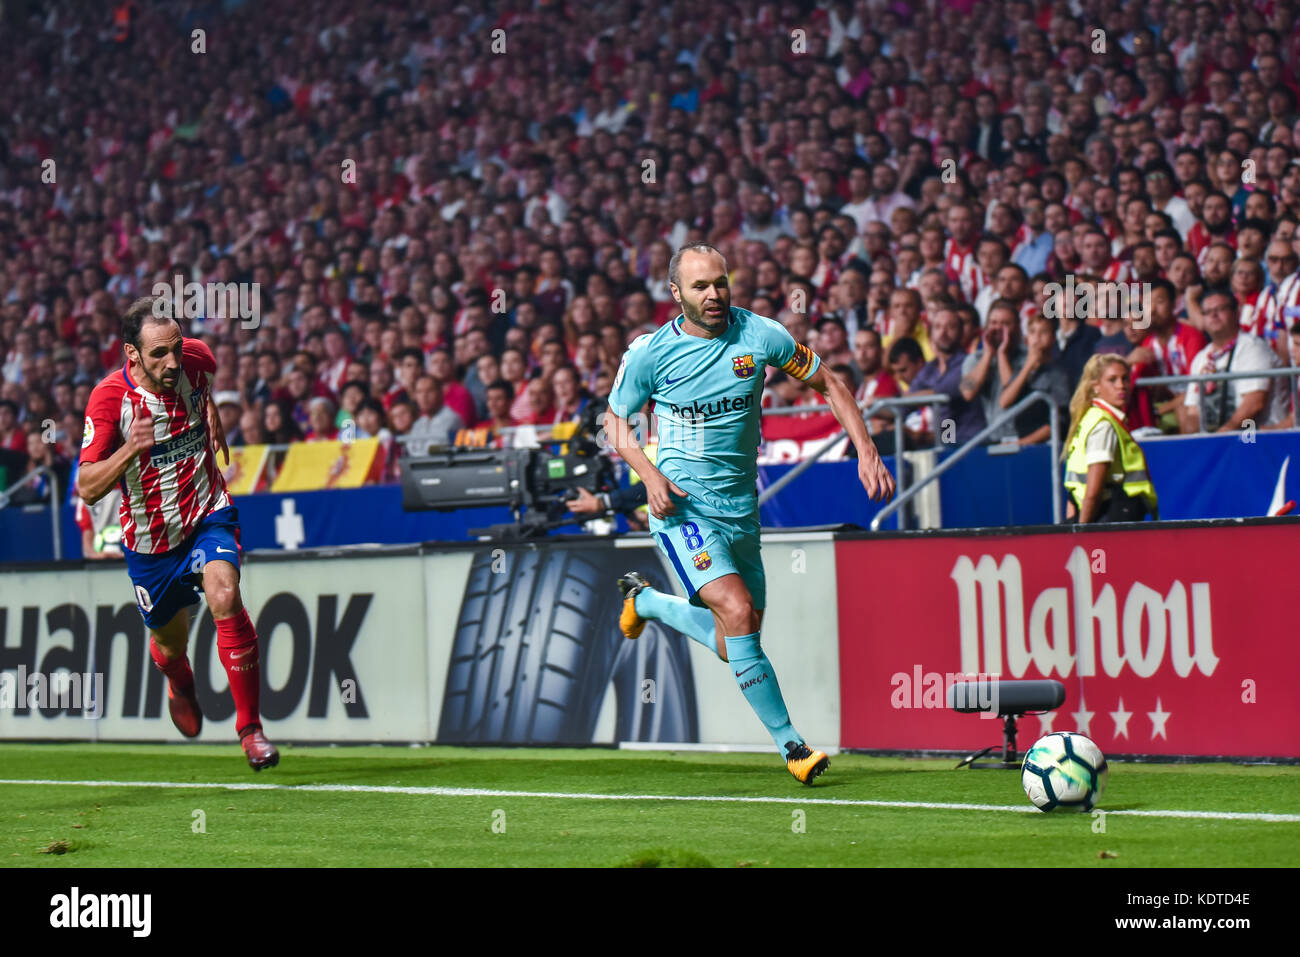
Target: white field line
pixel 578 796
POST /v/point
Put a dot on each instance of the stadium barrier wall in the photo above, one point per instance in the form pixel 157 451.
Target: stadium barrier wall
pixel 343 655
pixel 1170 640
pixel 458 644
pixel 1197 477
pixel 1190 652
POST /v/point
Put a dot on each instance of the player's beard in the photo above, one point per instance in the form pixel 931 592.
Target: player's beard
pixel 158 384
pixel 704 320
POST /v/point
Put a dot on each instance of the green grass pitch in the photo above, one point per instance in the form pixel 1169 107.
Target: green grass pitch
pixel 297 823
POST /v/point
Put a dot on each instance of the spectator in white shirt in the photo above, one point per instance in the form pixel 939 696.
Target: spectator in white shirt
pixel 884 200
pixel 1231 405
pixel 437 424
pixel 1160 188
pixel 860 202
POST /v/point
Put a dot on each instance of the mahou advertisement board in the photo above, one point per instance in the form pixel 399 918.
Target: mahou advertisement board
pixel 1169 640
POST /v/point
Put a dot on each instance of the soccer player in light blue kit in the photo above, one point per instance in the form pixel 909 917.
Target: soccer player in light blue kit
pixel 704 371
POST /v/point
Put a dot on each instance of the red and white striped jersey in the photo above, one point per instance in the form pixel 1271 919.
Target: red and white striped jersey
pixel 1200 239
pixel 1288 303
pixel 1175 356
pixel 168 490
pixel 1117 271
pixel 962 268
pixel 332 373
pixel 881 385
pixel 1247 315
pixel 1277 309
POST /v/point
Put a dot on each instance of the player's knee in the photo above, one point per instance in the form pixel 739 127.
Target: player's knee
pixel 749 622
pixel 173 636
pixel 738 617
pixel 170 642
pixel 223 598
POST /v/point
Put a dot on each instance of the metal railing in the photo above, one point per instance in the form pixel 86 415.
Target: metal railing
pixel 798 409
pixel 1290 372
pixel 902 401
pixel 962 451
pixel 905 495
pixel 55 502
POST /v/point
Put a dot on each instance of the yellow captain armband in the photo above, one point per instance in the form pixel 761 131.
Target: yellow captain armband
pixel 801 364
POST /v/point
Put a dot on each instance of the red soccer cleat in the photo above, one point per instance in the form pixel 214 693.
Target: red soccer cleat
pixel 261 752
pixel 185 711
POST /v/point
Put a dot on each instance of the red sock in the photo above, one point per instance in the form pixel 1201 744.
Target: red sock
pixel 176 669
pixel 238 651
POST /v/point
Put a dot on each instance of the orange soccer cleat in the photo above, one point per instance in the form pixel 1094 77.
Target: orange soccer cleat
pixel 804 763
pixel 629 621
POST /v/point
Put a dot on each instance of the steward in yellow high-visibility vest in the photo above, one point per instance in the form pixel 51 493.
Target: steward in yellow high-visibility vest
pixel 1105 469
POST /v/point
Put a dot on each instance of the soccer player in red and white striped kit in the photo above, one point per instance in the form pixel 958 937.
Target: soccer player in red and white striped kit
pixel 153 431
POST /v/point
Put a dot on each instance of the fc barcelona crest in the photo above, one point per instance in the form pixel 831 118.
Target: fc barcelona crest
pixel 743 366
pixel 702 560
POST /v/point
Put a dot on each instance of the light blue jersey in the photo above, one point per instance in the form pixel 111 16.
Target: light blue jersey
pixel 707 395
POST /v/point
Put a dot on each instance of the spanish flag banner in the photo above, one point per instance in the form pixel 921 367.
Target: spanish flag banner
pixel 247 463
pixel 309 466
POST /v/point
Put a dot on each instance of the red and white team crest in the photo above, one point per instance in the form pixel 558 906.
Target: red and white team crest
pixel 744 366
pixel 702 560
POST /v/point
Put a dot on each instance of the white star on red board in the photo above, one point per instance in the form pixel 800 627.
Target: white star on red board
pixel 1083 719
pixel 1158 719
pixel 1120 718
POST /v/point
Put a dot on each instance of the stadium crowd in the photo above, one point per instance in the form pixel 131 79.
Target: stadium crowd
pixel 458 215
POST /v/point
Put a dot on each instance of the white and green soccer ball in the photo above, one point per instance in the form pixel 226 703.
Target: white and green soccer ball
pixel 109 540
pixel 1064 769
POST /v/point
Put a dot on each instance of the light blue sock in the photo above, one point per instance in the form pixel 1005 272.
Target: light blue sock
pixel 693 622
pixel 757 680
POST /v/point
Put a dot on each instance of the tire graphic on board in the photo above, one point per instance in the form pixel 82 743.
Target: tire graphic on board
pixel 538 647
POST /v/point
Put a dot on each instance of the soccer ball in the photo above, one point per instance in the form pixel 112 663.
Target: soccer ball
pixel 1064 769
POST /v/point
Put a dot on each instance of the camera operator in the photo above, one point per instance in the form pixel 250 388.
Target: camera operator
pixel 629 502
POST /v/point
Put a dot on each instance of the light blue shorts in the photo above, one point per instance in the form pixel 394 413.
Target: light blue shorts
pixel 703 548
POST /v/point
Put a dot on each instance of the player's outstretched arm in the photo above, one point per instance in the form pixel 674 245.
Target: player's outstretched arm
pixel 875 478
pixel 96 479
pixel 659 490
